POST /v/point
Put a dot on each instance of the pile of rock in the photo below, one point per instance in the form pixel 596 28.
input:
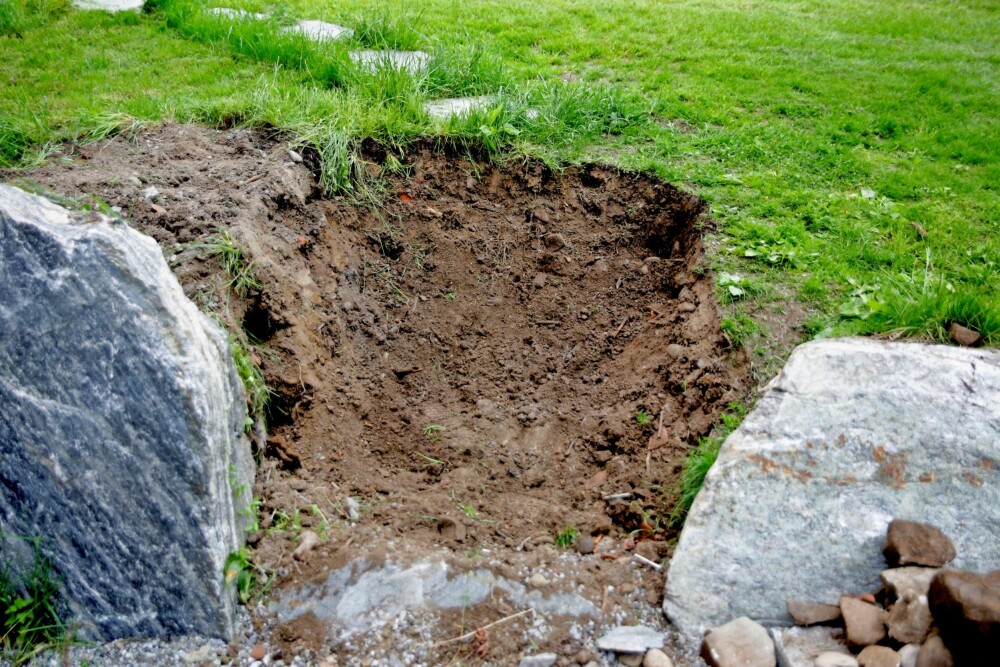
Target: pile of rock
pixel 924 615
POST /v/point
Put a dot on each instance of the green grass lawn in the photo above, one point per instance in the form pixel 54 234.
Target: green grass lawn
pixel 850 150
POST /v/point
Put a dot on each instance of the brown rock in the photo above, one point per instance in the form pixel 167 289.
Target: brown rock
pixel 630 660
pixel 450 529
pixel 912 543
pixel 541 215
pixel 966 609
pixel 864 624
pixel 675 350
pixel 258 652
pixel 963 336
pixel 878 656
pixel 739 643
pixel 307 542
pixel 585 544
pixel 811 613
pixel 935 654
pixel 909 620
pixel 555 241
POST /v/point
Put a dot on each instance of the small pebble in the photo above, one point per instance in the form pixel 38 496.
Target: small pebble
pixel 307 542
pixel 258 652
pixel 538 580
pixel 585 544
pixel 834 659
pixel 352 508
pixel 294 156
pixel 657 658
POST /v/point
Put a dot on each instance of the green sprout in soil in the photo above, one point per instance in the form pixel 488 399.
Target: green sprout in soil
pixel 566 537
pixel 642 418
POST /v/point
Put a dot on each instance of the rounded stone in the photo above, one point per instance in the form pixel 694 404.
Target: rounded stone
pixel 657 658
pixel 834 659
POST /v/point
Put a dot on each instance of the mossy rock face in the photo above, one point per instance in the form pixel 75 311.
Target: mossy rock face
pixel 852 434
pixel 121 433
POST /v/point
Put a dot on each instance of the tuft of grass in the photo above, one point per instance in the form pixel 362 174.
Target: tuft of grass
pixel 12 18
pixel 642 418
pixel 699 461
pixel 434 432
pixel 29 619
pixel 459 70
pixel 566 538
pixel 257 392
pixel 929 314
pixel 105 125
pixel 738 328
pixel 234 260
pixel 15 140
pixel 387 28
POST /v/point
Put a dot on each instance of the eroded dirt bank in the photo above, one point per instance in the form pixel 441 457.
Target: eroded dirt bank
pixel 471 361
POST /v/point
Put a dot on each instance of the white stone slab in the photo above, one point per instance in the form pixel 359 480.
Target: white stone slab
pixel 109 5
pixel 455 106
pixel 320 31
pixel 851 434
pixel 241 14
pixel 414 61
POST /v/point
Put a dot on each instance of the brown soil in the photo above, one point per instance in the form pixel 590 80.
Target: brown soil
pixel 473 352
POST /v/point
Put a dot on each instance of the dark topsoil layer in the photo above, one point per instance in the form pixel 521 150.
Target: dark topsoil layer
pixel 476 348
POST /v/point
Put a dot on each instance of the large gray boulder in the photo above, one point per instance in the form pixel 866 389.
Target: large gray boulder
pixel 852 434
pixel 121 425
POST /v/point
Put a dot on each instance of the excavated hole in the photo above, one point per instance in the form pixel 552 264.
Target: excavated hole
pixel 481 348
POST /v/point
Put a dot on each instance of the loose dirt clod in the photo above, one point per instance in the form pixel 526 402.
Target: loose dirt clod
pixel 486 362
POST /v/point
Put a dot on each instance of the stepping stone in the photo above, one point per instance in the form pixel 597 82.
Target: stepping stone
pixel 455 106
pixel 236 13
pixel 414 61
pixel 109 5
pixel 320 31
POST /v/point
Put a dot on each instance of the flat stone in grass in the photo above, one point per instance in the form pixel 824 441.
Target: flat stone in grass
pixel 109 5
pixel 239 14
pixel 852 434
pixel 455 106
pixel 320 31
pixel 414 61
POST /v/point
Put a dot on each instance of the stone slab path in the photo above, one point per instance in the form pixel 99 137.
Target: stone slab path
pixel 109 5
pixel 456 106
pixel 320 31
pixel 369 59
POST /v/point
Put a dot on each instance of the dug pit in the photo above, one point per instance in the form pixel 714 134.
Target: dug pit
pixel 488 356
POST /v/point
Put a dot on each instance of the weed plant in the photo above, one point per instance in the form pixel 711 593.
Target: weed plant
pixel 699 461
pixel 30 621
